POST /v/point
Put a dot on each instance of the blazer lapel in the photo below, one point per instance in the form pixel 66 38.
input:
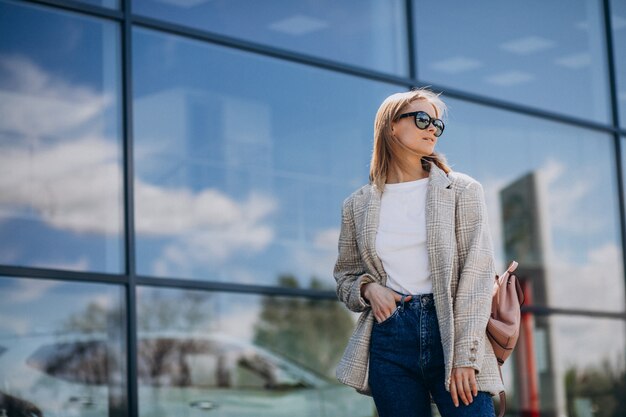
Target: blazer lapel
pixel 440 219
pixel 372 218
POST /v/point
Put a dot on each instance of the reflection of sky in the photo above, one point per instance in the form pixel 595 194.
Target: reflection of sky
pixel 60 172
pixel 245 139
pixel 367 33
pixel 580 206
pixel 549 55
pixel 242 161
pixel 32 306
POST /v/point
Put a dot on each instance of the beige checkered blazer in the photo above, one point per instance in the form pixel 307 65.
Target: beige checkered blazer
pixel 461 258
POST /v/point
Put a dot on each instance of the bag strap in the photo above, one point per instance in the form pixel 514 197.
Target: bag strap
pixel 502 395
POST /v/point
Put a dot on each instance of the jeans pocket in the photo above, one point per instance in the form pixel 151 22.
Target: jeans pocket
pixel 388 319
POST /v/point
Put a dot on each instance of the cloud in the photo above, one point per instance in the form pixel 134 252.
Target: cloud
pixel 57 165
pixel 578 272
pixel 14 325
pixel 28 290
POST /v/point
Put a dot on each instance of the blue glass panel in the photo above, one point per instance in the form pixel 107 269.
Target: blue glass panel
pixel 242 161
pixel 365 33
pixel 551 190
pixel 547 55
pixel 60 140
pixel 243 355
pixel 62 348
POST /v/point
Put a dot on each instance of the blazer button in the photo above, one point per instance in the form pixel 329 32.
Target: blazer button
pixel 475 342
pixel 472 359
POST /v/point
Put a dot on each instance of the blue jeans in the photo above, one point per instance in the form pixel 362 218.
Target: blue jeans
pixel 407 366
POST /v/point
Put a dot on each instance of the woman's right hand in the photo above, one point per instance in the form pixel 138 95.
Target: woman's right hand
pixel 382 299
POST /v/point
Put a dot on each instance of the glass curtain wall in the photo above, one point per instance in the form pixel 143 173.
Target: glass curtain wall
pixel 249 124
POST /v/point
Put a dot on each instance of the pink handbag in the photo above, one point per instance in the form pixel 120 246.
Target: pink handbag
pixel 504 324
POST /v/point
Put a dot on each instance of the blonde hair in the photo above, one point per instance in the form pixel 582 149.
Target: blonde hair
pixel 387 148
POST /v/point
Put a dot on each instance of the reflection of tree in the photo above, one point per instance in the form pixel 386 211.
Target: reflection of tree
pixel 310 332
pixel 173 310
pixel 157 310
pixel 604 386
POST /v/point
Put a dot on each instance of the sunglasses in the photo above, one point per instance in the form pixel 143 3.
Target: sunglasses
pixel 423 120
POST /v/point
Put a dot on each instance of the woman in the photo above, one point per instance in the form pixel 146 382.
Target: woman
pixel 416 259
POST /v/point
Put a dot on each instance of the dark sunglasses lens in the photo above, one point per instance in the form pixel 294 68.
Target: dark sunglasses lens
pixel 422 120
pixel 439 125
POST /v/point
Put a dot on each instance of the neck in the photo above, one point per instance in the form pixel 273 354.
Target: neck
pixel 416 172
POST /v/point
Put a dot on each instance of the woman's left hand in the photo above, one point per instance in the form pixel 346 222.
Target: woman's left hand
pixel 463 384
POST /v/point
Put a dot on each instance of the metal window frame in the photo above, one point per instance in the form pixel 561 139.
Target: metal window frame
pixel 129 278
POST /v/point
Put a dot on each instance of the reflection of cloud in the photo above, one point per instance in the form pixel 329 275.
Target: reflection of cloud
pixel 71 183
pixel 27 290
pixel 81 264
pixel 527 45
pixel 75 184
pixel 14 325
pixel 586 342
pixel 36 104
pixel 566 197
pixel 298 25
pixel 578 273
pixel 456 65
pixel 239 323
pixel 574 61
pixel 596 284
pixel 509 78
pixel 184 4
pixel 326 238
pixel 219 229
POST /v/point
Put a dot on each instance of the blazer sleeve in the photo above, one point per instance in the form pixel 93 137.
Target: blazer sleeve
pixel 349 271
pixel 472 302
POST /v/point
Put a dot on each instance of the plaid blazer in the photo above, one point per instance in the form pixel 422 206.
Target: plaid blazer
pixel 460 252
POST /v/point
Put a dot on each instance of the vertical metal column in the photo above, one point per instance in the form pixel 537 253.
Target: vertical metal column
pixel 129 213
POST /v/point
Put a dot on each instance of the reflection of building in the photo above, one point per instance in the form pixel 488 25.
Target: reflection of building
pixel 180 166
pixel 524 226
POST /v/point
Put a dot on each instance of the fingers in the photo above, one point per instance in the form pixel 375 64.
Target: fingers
pixel 474 384
pixel 463 386
pixel 461 390
pixel 398 297
pixel 453 393
pixel 384 312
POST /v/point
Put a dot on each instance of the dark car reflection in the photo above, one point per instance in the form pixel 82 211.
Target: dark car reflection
pixel 178 374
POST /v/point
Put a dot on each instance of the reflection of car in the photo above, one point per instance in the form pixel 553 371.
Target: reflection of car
pixel 178 375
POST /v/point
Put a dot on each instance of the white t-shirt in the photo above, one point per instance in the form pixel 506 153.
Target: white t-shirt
pixel 401 237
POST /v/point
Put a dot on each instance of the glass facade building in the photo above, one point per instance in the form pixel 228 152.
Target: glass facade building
pixel 171 180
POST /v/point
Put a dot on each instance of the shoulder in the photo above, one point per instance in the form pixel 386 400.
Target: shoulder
pixel 357 196
pixel 462 182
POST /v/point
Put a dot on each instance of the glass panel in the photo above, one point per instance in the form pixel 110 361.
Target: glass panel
pixel 618 25
pixel 551 191
pixel 63 349
pixel 567 366
pixel 242 355
pixel 242 161
pixel 366 33
pixel 111 4
pixel 60 141
pixel 548 55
